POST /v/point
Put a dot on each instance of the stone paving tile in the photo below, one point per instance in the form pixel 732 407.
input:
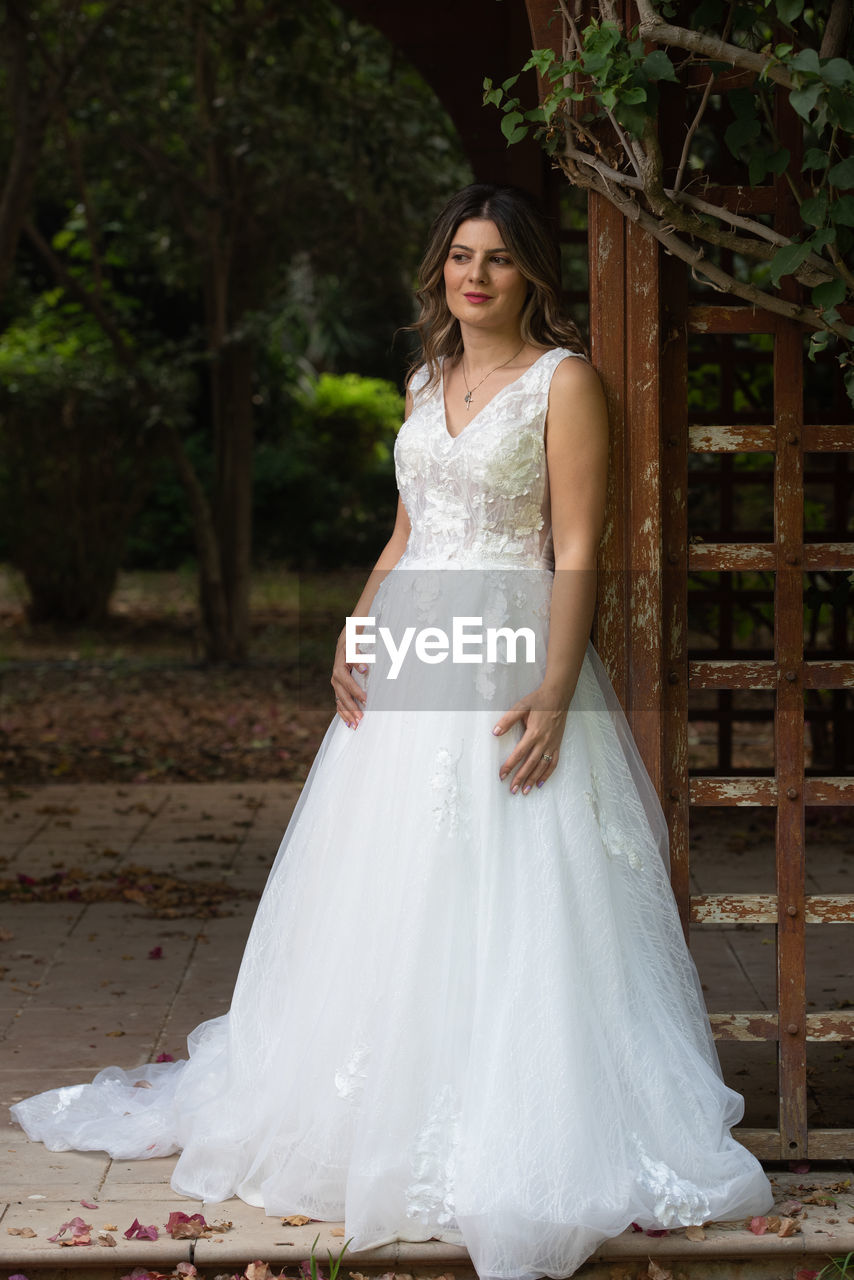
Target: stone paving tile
pixel 59 1038
pixel 24 1079
pixel 45 1219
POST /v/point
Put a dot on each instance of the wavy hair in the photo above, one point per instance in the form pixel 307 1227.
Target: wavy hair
pixel 528 235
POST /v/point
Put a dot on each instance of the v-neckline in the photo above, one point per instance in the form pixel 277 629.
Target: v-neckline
pixel 453 439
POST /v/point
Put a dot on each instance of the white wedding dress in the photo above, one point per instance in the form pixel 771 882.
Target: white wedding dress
pixel 460 1013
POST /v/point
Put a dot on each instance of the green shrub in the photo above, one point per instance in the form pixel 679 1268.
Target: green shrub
pixel 75 455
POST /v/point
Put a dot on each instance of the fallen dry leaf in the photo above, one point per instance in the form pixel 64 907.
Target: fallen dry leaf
pixel 79 1233
pixel 337 1231
pixel 21 1231
pixel 258 1271
pixel 106 1240
pixel 136 1231
pixel 655 1272
pixel 294 1220
pixel 695 1233
pixel 182 1226
pixel 789 1208
pixel 110 1226
pixel 788 1227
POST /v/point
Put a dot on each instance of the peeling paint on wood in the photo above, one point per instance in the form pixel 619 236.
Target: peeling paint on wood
pixel 829 791
pixel 734 908
pixel 731 555
pixel 702 439
pixel 827 439
pixel 829 555
pixel 717 319
pixel 829 675
pixel 722 673
pixel 734 791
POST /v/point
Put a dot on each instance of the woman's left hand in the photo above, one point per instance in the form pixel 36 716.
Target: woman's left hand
pixel 544 720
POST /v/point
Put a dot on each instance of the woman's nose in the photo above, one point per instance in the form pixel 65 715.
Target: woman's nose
pixel 477 270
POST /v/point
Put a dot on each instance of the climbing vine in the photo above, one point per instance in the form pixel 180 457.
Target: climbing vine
pixel 598 118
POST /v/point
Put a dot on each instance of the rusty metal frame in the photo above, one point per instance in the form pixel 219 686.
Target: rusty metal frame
pixel 640 321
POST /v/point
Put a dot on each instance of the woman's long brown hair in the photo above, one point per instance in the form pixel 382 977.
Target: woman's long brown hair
pixel 528 236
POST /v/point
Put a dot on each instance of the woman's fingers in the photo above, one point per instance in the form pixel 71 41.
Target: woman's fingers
pixel 348 695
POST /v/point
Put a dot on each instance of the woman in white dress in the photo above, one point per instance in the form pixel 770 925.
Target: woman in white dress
pixel 465 1009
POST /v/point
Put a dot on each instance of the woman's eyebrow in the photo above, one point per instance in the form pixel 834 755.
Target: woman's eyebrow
pixel 470 250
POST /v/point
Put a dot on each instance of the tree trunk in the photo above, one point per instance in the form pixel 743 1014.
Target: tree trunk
pixel 29 126
pixel 232 384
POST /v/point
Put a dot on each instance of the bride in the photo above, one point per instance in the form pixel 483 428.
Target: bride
pixel 465 1009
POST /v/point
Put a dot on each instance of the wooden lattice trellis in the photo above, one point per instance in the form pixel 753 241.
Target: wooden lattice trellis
pixel 641 321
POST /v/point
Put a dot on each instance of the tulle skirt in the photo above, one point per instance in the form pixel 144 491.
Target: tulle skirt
pixel 461 1013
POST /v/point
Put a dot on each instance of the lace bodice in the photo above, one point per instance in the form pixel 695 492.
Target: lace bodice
pixel 479 499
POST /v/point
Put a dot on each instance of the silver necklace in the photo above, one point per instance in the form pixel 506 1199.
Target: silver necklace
pixel 471 390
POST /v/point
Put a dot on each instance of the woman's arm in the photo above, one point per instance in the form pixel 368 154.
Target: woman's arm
pixel 577 461
pixel 349 693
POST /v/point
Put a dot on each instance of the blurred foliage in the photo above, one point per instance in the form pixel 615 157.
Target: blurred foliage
pixel 331 156
pixel 74 457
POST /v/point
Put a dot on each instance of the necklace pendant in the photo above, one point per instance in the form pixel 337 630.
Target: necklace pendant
pixel 468 399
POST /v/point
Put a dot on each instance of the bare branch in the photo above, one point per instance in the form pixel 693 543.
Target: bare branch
pixel 652 27
pixel 835 39
pixel 626 143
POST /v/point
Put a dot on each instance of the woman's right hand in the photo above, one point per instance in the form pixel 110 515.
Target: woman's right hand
pixel 348 692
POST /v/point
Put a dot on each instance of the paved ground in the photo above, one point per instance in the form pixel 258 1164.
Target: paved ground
pixel 88 983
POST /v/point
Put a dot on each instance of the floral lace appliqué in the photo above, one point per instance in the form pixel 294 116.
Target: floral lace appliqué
pixel 445 784
pixel 350 1080
pixel 616 842
pixel 430 1194
pixel 678 1202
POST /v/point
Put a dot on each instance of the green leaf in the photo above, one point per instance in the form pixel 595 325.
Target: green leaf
pixel 842 211
pixel 806 60
pixel 492 96
pixel 740 134
pixel 778 161
pixel 742 103
pixel 829 294
pixel 787 260
pixel 631 118
pixel 820 238
pixel 815 159
pixel 803 100
pixel 842 174
pixel 781 50
pixel 814 209
pixel 756 169
pixel 657 66
pixel 819 339
pixel 512 128
pixel 509 82
pixel 789 10
pixel 838 72
pixel 540 60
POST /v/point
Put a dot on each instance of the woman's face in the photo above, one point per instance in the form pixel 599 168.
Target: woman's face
pixel 483 286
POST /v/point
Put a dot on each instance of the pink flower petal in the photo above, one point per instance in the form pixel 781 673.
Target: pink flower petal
pixel 87 1204
pixel 164 1057
pixel 156 953
pixel 136 1231
pixel 758 1226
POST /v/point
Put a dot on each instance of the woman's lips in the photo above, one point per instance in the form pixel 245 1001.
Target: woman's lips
pixel 477 297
